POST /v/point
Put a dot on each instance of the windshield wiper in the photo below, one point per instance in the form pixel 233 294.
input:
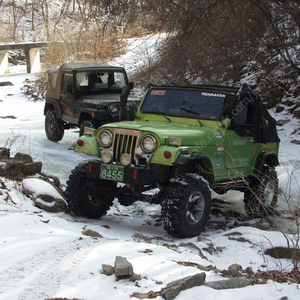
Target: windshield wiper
pixel 158 113
pixel 192 112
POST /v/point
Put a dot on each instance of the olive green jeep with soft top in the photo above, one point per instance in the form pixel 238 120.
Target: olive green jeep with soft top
pixel 86 95
pixel 184 142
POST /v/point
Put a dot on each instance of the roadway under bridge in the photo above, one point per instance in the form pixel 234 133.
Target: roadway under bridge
pixel 32 52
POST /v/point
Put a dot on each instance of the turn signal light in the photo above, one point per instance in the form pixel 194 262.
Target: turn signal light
pixel 167 154
pixel 80 142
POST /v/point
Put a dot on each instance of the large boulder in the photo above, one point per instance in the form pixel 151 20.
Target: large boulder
pixel 44 194
pixel 19 166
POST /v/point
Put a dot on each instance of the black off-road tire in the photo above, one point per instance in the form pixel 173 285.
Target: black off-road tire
pixel 86 123
pixel 54 127
pixel 261 198
pixel 187 205
pixel 88 198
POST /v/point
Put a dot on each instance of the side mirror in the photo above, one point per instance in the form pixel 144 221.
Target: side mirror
pixel 131 85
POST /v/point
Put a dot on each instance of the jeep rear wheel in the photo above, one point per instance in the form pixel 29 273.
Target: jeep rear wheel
pixel 186 207
pixel 54 127
pixel 88 198
pixel 261 197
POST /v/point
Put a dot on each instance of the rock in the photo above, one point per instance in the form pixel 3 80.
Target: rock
pixel 4 152
pixel 283 252
pixel 5 83
pixel 295 142
pixel 279 109
pixel 18 167
pixel 149 295
pixel 8 117
pixel 201 238
pixel 135 277
pixel 261 224
pixel 172 290
pixel 45 195
pixel 91 233
pixel 193 247
pixel 123 268
pixel 233 283
pixel 282 122
pixel 235 270
pixel 26 158
pixel 108 270
pixel 296 113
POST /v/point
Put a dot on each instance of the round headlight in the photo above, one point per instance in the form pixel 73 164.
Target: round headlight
pixel 105 138
pixel 106 157
pixel 148 143
pixel 125 159
pixel 113 108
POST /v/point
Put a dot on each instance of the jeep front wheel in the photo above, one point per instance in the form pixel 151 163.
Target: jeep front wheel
pixel 54 127
pixel 261 197
pixel 86 123
pixel 86 197
pixel 187 205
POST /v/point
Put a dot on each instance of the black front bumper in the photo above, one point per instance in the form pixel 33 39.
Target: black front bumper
pixel 137 176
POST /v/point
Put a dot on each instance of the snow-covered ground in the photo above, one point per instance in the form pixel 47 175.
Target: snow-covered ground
pixel 45 255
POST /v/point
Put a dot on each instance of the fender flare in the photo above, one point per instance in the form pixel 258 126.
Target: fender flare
pixel 204 166
pixel 265 158
pixel 52 104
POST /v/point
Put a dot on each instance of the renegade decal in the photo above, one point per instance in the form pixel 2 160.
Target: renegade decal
pixel 91 101
pixel 212 95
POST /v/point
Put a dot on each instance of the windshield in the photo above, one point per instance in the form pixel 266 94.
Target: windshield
pixel 100 81
pixel 184 103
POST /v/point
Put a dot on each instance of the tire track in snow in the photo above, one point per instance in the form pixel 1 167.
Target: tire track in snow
pixel 42 273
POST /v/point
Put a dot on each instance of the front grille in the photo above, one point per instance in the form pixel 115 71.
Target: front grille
pixel 125 141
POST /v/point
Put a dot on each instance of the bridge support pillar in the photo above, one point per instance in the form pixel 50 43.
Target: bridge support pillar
pixel 33 63
pixel 4 62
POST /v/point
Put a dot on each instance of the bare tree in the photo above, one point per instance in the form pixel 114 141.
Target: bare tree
pixel 17 12
pixel 284 29
pixel 45 15
pixel 209 40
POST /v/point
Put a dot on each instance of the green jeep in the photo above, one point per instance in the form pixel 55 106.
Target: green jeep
pixel 184 142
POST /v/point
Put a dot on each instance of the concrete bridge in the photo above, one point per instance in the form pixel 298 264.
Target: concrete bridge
pixel 32 52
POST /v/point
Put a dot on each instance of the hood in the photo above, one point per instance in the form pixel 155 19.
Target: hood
pixel 100 97
pixel 189 134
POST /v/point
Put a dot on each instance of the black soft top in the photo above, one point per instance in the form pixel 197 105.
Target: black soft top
pixel 265 124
